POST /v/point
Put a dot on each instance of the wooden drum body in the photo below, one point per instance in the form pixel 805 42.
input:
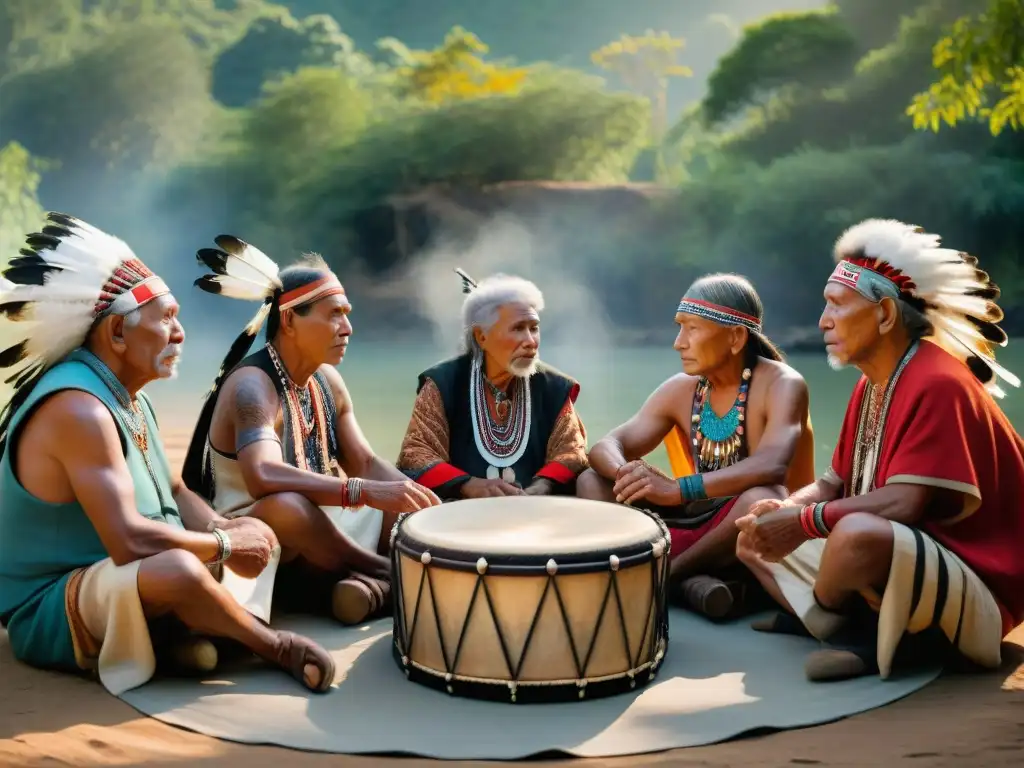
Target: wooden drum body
pixel 530 599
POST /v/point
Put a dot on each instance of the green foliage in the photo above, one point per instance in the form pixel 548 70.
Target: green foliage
pixel 980 69
pixel 318 142
pixel 137 99
pixel 777 223
pixel 42 33
pixel 278 44
pixel 864 109
pixel 788 51
pixel 20 211
pixel 549 131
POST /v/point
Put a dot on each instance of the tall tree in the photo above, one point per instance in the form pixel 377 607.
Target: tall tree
pixel 645 63
pixel 454 71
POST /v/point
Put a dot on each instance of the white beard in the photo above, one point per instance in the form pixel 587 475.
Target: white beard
pixel 166 362
pixel 523 368
pixel 835 363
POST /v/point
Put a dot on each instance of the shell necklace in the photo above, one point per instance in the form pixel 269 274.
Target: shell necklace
pixel 500 444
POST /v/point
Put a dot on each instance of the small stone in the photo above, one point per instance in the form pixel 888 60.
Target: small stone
pixel 613 562
pixel 425 558
pixel 481 566
pixel 552 567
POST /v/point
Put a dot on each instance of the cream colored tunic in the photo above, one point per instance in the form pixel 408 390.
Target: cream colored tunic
pixel 231 499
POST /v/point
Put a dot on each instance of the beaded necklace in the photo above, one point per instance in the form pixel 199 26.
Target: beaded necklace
pixel 871 423
pixel 718 441
pixel 500 444
pixel 305 420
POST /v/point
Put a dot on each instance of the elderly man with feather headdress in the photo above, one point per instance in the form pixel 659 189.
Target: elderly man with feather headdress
pixel 494 420
pixel 278 440
pixel 99 544
pixel 737 427
pixel 917 524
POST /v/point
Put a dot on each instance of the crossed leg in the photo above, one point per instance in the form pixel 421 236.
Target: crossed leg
pixel 304 529
pixel 176 582
pixel 358 577
pixel 855 560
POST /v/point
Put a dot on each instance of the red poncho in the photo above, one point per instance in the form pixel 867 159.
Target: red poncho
pixel 943 429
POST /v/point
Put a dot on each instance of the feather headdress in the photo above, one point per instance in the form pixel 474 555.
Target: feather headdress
pixel 957 298
pixel 64 279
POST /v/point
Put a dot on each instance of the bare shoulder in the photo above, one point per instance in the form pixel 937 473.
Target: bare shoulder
pixel 249 397
pixel 679 385
pixel 672 398
pixel 337 382
pixel 777 380
pixel 72 418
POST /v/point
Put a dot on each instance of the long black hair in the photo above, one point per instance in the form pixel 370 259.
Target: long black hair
pixel 737 293
pixel 196 472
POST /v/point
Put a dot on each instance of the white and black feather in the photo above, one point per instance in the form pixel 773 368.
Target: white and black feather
pixel 958 298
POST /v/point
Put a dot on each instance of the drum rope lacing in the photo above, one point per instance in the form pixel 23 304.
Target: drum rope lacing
pixel 653 649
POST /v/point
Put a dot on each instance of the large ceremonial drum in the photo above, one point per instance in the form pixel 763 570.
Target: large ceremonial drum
pixel 529 599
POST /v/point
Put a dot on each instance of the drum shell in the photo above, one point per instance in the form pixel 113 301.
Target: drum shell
pixel 596 626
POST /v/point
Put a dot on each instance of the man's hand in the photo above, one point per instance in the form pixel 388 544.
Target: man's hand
pixel 540 487
pixel 774 533
pixel 252 544
pixel 638 480
pixel 481 488
pixel 758 508
pixel 398 495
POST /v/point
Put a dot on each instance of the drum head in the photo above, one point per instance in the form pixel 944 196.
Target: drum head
pixel 531 525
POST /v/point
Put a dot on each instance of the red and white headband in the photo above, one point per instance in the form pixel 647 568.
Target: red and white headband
pixel 305 294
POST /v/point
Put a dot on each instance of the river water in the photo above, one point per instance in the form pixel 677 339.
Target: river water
pixel 614 383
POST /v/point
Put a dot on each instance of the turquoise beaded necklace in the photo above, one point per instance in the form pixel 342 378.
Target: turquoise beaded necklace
pixel 718 441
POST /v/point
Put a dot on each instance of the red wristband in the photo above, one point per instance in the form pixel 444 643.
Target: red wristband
pixel 807 521
pixel 344 495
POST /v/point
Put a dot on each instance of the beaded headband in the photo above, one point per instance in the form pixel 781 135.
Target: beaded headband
pixel 872 279
pixel 717 313
pixel 133 298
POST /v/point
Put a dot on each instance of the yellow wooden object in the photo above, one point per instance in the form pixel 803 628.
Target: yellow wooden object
pixel 679 458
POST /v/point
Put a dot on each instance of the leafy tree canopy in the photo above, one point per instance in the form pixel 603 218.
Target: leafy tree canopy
pixel 980 69
pixel 788 50
pixel 278 44
pixel 138 98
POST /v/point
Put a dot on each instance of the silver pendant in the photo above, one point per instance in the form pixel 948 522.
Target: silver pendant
pixel 507 474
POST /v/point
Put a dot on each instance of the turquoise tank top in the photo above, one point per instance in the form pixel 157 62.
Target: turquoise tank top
pixel 42 543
